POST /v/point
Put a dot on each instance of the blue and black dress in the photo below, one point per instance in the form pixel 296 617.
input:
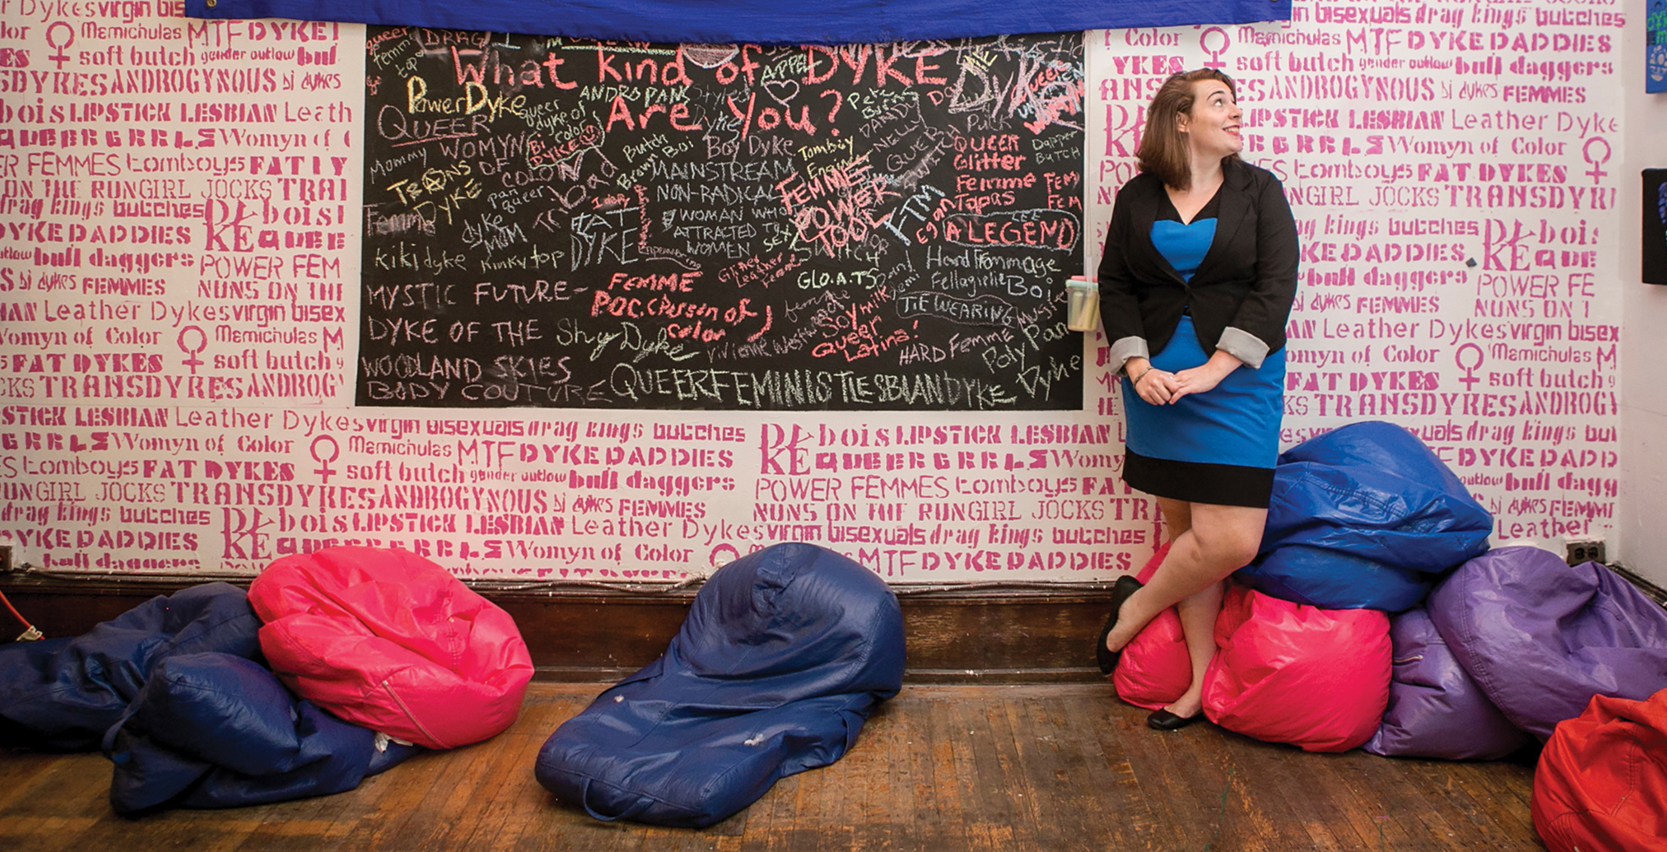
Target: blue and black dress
pixel 1194 280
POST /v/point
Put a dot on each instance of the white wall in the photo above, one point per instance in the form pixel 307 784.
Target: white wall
pixel 1640 536
pixel 184 450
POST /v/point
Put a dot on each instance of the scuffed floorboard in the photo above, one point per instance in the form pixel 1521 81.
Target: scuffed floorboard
pixel 940 767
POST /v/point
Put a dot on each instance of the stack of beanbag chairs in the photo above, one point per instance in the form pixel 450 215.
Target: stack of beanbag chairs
pixel 1362 520
pixel 782 657
pixel 1376 616
pixel 179 694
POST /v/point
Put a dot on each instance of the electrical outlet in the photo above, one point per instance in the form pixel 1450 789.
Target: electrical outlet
pixel 5 558
pixel 1586 551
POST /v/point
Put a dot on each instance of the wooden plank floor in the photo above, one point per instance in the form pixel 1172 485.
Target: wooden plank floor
pixel 939 767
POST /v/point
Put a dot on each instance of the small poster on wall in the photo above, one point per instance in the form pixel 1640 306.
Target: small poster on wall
pixel 1655 226
pixel 1655 47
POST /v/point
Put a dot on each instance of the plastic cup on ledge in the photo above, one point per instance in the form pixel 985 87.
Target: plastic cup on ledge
pixel 1083 308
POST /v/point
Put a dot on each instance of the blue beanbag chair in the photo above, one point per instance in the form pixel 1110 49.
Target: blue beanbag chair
pixel 784 654
pixel 1364 517
pixel 63 694
pixel 1541 637
pixel 1435 709
pixel 218 731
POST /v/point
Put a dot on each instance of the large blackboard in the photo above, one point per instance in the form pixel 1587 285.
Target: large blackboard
pixel 560 222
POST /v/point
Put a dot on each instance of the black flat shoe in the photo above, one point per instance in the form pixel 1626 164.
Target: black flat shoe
pixel 1125 586
pixel 1163 720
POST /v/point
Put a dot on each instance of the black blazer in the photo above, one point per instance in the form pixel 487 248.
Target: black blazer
pixel 1247 279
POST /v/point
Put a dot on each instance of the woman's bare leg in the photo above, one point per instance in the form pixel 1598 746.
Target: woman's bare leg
pixel 1198 616
pixel 1177 516
pixel 1198 625
pixel 1218 541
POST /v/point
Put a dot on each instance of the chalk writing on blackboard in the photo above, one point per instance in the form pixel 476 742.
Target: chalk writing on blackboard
pixel 567 223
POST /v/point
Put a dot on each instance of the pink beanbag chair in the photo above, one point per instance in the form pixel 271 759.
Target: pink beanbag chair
pixel 1602 778
pixel 1155 668
pixel 1293 673
pixel 391 641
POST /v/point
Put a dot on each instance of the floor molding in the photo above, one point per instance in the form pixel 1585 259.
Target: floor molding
pixel 956 634
pixel 994 633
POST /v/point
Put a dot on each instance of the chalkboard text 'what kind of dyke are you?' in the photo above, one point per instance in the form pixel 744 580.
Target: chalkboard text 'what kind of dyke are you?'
pixel 568 223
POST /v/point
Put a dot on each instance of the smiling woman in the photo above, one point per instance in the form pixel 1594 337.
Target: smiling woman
pixel 1197 280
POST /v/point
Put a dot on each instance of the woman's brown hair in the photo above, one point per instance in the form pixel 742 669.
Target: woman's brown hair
pixel 1163 150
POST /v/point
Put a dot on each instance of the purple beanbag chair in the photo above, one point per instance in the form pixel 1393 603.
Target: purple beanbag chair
pixel 1435 709
pixel 1541 637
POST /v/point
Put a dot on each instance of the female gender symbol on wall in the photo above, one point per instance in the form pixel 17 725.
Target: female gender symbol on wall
pixel 1469 379
pixel 723 554
pixel 324 458
pixel 62 55
pixel 1586 153
pixel 190 349
pixel 1215 52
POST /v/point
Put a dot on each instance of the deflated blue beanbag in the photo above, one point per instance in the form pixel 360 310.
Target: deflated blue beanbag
pixel 1435 709
pixel 782 657
pixel 1364 517
pixel 219 731
pixel 65 693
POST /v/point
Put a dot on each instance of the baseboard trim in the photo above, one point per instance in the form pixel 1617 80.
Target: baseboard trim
pixel 963 634
pixel 1655 593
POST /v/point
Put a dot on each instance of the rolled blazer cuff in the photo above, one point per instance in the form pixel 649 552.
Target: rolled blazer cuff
pixel 1240 344
pixel 1130 347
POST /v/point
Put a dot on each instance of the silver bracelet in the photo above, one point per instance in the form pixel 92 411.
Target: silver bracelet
pixel 1136 380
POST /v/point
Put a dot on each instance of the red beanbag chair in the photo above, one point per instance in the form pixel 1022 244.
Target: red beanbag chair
pixel 391 641
pixel 1602 778
pixel 1293 673
pixel 1155 668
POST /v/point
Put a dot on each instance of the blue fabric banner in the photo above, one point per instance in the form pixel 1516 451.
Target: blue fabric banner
pixel 759 21
pixel 1655 47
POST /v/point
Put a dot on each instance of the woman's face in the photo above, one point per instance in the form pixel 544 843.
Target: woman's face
pixel 1212 127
